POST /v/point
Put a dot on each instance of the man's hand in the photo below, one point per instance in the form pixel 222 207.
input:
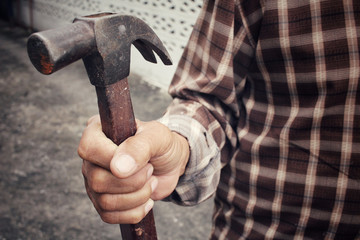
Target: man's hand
pixel 122 181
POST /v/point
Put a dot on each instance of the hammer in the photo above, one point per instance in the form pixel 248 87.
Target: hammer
pixel 103 41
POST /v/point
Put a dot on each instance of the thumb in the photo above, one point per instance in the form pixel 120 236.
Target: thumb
pixel 135 152
pixel 123 165
pixel 153 141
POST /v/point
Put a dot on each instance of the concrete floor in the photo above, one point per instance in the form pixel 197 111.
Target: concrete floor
pixel 41 186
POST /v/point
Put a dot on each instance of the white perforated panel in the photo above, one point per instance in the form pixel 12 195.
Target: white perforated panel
pixel 172 20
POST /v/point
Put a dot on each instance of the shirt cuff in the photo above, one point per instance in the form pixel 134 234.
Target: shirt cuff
pixel 202 172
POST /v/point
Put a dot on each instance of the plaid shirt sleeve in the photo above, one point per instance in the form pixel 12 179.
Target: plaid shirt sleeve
pixel 268 92
pixel 204 100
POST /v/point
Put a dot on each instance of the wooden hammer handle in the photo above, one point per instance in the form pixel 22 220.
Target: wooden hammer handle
pixel 118 123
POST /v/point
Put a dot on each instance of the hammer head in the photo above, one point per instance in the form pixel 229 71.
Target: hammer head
pixel 103 41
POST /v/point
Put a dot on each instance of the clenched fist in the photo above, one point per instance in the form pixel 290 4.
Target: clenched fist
pixel 122 181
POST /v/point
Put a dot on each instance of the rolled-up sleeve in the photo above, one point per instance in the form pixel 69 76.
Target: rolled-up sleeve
pixel 202 173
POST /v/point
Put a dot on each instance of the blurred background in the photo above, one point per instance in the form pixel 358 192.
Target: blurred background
pixel 172 20
pixel 42 118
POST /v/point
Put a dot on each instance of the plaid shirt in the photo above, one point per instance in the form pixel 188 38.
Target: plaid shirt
pixel 267 93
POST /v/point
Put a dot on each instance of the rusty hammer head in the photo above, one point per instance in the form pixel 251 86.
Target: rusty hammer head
pixel 103 41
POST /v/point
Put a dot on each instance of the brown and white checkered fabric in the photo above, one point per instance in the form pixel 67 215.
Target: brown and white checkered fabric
pixel 271 87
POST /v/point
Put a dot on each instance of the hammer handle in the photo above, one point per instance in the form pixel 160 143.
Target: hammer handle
pixel 118 123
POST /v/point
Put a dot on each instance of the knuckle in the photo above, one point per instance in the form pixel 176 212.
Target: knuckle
pixel 93 119
pixel 96 182
pixel 108 218
pixel 106 203
pixel 82 151
pixel 97 187
pixel 87 146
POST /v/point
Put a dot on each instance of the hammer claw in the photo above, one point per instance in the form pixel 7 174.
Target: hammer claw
pixel 103 41
pixel 145 51
pixel 164 56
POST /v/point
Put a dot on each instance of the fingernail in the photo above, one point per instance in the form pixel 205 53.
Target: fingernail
pixel 125 164
pixel 150 172
pixel 154 184
pixel 149 205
